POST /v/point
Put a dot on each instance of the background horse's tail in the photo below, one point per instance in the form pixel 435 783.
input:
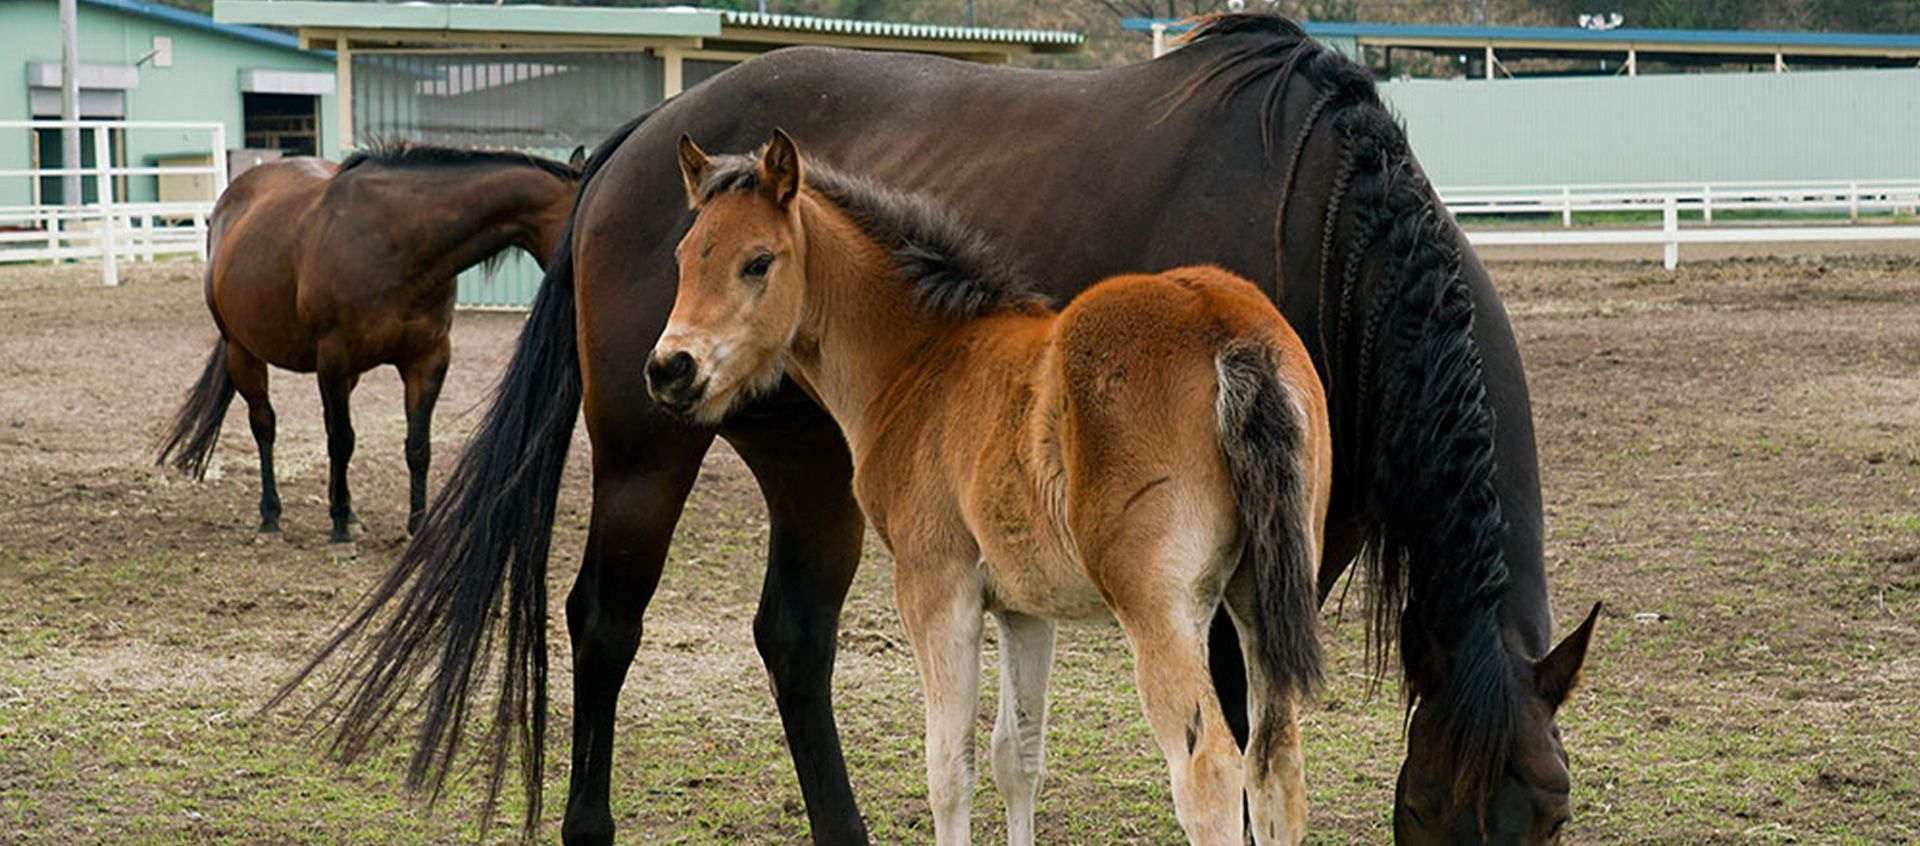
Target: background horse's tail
pixel 196 426
pixel 437 614
pixel 1265 437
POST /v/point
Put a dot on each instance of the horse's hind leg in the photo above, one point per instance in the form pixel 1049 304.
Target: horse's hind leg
pixel 640 484
pixel 249 375
pixel 1168 631
pixel 336 386
pixel 1020 732
pixel 423 377
pixel 801 462
pixel 1275 765
pixel 943 619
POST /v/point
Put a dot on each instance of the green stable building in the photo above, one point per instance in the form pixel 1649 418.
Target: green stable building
pixel 147 62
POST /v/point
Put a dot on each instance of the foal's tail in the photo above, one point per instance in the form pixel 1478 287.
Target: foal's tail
pixel 1265 434
pixel 196 426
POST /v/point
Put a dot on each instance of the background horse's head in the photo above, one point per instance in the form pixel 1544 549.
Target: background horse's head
pixel 742 277
pixel 1525 800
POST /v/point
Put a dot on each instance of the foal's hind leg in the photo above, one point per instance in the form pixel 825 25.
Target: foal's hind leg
pixel 1020 733
pixel 1275 765
pixel 422 377
pixel 249 375
pixel 336 385
pixel 1168 631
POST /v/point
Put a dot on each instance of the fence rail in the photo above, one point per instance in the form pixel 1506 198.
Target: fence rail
pixel 1851 199
pixel 111 228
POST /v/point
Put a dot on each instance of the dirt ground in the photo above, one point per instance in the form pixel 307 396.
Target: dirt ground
pixel 1731 463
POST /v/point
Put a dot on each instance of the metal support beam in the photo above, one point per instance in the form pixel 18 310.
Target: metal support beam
pixel 674 64
pixel 70 101
pixel 1633 61
pixel 1489 61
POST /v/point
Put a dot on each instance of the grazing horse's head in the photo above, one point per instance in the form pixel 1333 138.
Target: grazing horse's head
pixel 1522 803
pixel 742 276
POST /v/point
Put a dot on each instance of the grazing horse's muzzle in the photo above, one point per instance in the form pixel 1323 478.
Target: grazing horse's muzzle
pixel 671 381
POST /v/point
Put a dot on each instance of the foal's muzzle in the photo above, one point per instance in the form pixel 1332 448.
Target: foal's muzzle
pixel 672 380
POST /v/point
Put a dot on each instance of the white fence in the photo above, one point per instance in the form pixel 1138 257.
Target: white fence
pixel 1834 199
pixel 111 228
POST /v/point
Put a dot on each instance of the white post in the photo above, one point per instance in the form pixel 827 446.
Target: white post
pixel 1706 203
pixel 200 235
pixel 1489 61
pixel 1671 225
pixel 1566 206
pixel 1159 40
pixel 1633 61
pixel 673 65
pixel 343 86
pixel 103 170
pixel 1779 62
pixel 219 160
pixel 1853 202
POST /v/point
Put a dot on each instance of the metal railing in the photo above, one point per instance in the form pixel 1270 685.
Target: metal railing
pixel 110 228
pixel 1777 203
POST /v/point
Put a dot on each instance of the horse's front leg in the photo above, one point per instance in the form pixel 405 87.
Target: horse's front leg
pixel 1020 732
pixel 944 615
pixel 801 462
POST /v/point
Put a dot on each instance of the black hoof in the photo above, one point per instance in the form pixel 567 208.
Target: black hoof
pixel 269 527
pixel 340 536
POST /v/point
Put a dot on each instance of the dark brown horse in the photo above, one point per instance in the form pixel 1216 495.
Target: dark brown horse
pixel 1252 148
pixel 337 270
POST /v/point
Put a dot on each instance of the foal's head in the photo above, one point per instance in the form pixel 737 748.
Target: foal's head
pixel 742 277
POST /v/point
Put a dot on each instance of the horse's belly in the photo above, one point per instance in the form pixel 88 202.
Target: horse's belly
pixel 1030 579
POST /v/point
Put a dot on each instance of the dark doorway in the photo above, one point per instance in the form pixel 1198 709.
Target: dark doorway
pixel 289 123
pixel 46 154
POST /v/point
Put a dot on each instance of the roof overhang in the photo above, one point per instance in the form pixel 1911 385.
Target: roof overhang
pixel 430 27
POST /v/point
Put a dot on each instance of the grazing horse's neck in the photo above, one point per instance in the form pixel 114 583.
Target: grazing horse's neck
pixel 859 322
pixel 474 215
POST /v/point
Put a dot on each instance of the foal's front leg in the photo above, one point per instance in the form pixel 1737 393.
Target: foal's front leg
pixel 943 617
pixel 1020 733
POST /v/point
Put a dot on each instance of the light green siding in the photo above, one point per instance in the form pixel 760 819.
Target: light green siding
pixel 202 85
pixel 1813 125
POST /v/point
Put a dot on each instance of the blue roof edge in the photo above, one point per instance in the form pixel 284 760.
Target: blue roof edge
pixel 195 20
pixel 1541 33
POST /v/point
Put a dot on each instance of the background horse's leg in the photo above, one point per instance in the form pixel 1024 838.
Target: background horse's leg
pixel 422 376
pixel 336 386
pixel 804 471
pixel 640 484
pixel 249 375
pixel 1020 732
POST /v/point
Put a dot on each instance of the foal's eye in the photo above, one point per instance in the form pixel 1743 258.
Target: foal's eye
pixel 757 266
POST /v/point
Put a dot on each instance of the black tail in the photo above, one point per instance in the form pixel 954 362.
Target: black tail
pixel 1263 438
pixel 437 615
pixel 196 427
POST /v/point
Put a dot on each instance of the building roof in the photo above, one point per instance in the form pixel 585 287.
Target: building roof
pixel 610 26
pixel 1574 40
pixel 195 20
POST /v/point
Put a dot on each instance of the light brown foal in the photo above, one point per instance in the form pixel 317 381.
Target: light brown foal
pixel 1156 448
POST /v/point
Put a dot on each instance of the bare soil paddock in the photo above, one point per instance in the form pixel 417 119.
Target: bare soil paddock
pixel 1732 463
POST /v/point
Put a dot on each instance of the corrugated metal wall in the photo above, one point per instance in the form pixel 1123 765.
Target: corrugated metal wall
pixel 541 103
pixel 1813 125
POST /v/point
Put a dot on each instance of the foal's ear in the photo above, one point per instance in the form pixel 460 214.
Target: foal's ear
pixel 780 165
pixel 693 168
pixel 1555 676
pixel 578 161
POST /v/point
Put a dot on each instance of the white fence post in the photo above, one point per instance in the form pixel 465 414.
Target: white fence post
pixel 1671 225
pixel 1566 206
pixel 103 166
pixel 1706 204
pixel 219 161
pixel 1853 202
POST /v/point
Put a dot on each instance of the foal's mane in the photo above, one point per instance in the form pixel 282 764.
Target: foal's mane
pixel 955 270
pixel 407 155
pixel 1402 337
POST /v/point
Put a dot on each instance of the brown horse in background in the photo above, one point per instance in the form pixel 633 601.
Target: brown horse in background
pixel 1157 450
pixel 337 270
